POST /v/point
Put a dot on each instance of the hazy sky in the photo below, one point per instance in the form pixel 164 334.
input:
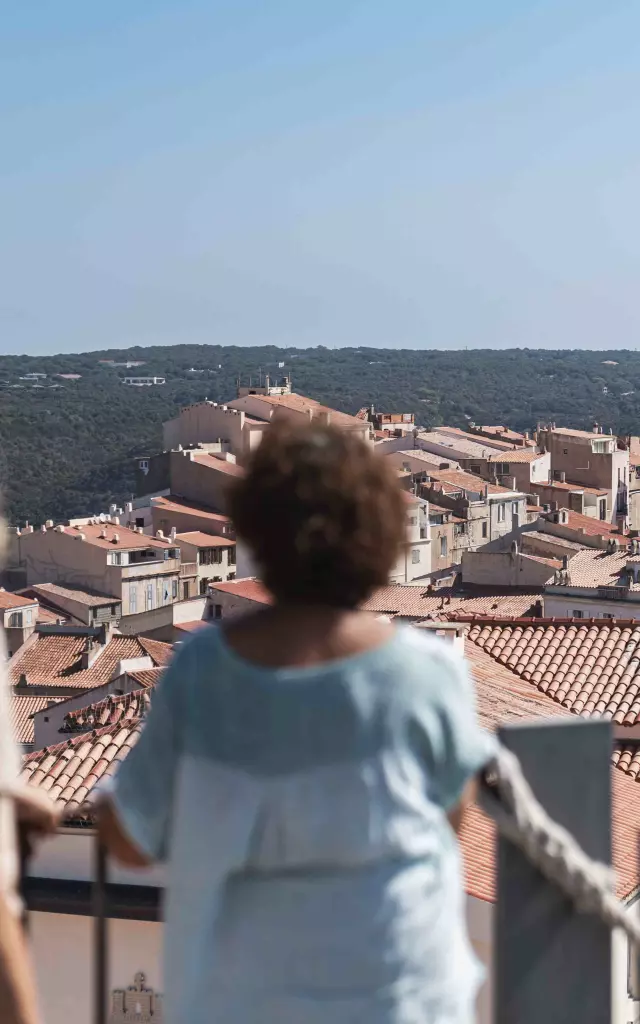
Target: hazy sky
pixel 385 172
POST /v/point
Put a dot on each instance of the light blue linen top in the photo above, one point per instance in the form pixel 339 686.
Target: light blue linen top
pixel 313 877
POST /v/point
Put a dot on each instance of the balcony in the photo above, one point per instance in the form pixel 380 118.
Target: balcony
pixel 188 569
pixel 157 567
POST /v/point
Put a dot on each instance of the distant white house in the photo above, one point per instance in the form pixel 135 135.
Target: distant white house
pixel 141 382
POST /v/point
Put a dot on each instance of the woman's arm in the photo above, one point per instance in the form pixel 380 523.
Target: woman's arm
pixel 456 814
pixel 115 839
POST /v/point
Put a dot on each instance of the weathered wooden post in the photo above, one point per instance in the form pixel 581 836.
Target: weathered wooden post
pixel 553 964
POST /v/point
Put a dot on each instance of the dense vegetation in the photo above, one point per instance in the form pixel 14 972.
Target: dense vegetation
pixel 69 450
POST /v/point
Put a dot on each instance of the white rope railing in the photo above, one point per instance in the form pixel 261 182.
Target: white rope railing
pixel 505 795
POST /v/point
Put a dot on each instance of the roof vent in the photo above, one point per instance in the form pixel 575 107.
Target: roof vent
pixel 49 524
pixel 160 534
pixel 81 536
pixel 115 539
pixel 58 529
pixel 103 534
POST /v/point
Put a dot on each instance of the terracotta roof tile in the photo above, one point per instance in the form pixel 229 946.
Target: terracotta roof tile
pixel 418 602
pixel 250 588
pixel 589 668
pixel 56 659
pixel 22 708
pixel 589 525
pixel 111 711
pixel 300 403
pixel 522 455
pixel 127 539
pixel 172 503
pixel 91 598
pixel 220 465
pixel 68 771
pixel 594 567
pixel 204 540
pixel 8 600
pixel 458 480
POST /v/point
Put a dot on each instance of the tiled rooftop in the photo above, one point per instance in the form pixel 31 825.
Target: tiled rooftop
pixel 416 602
pixel 300 403
pixel 21 710
pixel 570 547
pixel 117 538
pixel 458 480
pixel 566 485
pixel 593 567
pixel 8 600
pixel 221 465
pixel 56 660
pixel 553 563
pixel 477 838
pixel 490 442
pixel 111 711
pixel 204 540
pixel 82 595
pixel 69 770
pixel 250 588
pixel 590 525
pixel 176 504
pixel 520 455
pixel 590 668
pixel 473 448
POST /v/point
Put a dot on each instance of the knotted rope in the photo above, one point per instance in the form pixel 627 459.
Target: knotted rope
pixel 505 795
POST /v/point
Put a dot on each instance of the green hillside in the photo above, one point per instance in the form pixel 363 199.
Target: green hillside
pixel 68 451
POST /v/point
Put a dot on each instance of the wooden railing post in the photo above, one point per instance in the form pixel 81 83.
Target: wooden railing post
pixel 553 964
pixel 100 937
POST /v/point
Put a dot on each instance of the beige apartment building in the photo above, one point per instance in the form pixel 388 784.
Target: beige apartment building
pixel 140 572
pixel 208 422
pixel 19 618
pixel 593 461
pixel 214 557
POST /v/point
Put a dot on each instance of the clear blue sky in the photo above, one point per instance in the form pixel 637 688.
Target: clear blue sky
pixel 345 172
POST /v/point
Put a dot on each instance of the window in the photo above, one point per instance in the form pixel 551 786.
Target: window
pixel 605 615
pixel 217 611
pixel 143 465
pixel 28 617
pixel 514 508
pixel 133 598
pixel 502 509
pixel 149 597
pixel 413 521
pixel 231 556
pixel 140 523
pixel 484 529
pixel 474 468
pixel 174 589
pixel 443 547
pixel 502 468
pixel 204 584
pixel 114 609
pixel 599 447
pixel 577 614
pixel 116 558
pixel 603 508
pixel 415 556
pixel 15 620
pixel 565 451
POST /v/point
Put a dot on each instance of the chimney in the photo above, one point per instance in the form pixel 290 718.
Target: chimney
pixel 49 524
pixel 115 539
pixel 563 477
pixel 129 507
pixel 172 535
pixel 565 562
pixel 103 534
pixel 160 534
pixel 486 492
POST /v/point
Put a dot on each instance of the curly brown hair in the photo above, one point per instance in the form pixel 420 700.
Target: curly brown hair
pixel 322 513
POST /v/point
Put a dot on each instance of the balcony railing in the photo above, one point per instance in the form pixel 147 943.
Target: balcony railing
pixel 189 569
